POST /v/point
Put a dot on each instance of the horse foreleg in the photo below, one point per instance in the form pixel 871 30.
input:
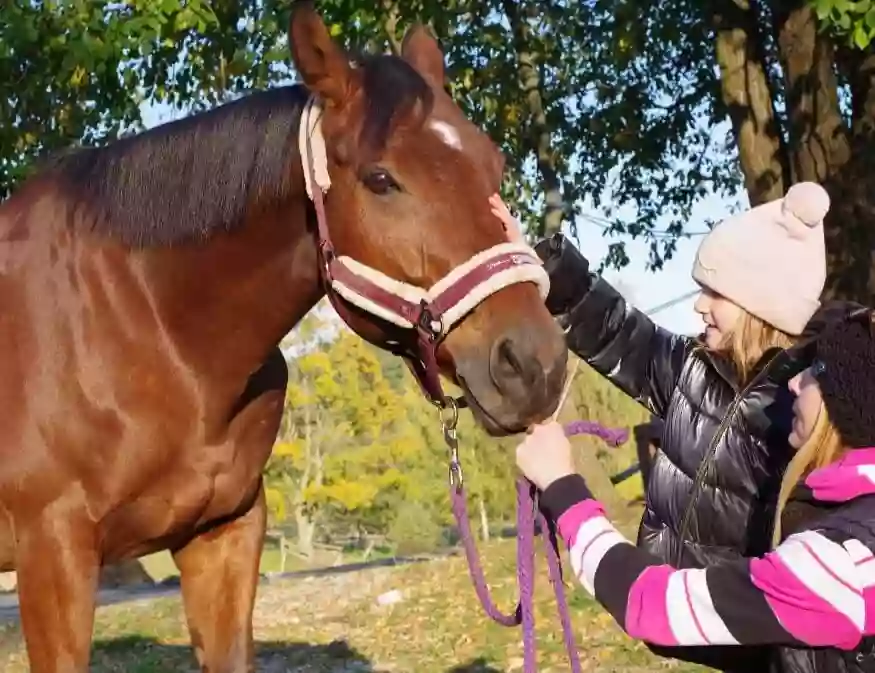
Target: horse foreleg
pixel 58 568
pixel 219 576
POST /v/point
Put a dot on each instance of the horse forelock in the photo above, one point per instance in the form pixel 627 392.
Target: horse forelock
pixel 393 91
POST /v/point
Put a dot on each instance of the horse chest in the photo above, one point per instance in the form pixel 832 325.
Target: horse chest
pixel 222 473
pixel 205 485
pixel 224 476
pixel 199 483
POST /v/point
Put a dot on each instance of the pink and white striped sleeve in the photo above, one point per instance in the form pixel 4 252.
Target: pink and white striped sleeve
pixel 813 590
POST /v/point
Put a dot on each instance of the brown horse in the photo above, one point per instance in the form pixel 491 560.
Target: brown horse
pixel 145 288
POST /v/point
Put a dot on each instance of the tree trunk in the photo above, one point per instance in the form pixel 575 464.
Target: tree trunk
pixel 747 95
pixel 312 473
pixel 819 143
pixel 849 230
pixel 306 532
pixel 369 549
pixel 484 519
pixel 518 14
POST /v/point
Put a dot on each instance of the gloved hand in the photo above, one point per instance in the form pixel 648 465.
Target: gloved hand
pixel 570 279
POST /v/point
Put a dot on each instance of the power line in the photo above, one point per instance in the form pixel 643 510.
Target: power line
pixel 671 302
pixel 608 225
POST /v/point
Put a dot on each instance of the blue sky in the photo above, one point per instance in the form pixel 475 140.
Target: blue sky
pixel 645 289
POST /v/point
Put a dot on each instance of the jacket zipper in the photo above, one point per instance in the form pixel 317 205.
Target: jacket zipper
pixel 709 457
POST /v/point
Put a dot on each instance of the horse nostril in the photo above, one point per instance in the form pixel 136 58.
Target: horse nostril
pixel 507 354
pixel 513 371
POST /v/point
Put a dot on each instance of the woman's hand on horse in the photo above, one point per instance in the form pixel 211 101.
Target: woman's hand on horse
pixel 545 454
pixel 511 225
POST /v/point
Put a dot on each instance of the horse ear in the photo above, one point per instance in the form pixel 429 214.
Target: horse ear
pixel 323 65
pixel 421 49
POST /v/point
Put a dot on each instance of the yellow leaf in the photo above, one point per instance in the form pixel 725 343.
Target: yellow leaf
pixel 288 449
pixel 78 76
pixel 276 502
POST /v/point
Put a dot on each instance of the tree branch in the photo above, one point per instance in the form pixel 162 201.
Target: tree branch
pixel 540 141
pixel 390 25
pixel 749 99
pixel 819 143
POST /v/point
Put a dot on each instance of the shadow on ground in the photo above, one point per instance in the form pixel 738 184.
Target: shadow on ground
pixel 476 666
pixel 139 654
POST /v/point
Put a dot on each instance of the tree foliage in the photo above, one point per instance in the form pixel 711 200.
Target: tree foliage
pixel 360 452
pixel 637 107
pixel 560 85
pixel 854 21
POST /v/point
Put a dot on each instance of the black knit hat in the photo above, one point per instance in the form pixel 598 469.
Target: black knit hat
pixel 844 366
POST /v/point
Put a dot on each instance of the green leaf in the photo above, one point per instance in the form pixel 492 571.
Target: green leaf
pixel 185 19
pixel 860 36
pixel 823 8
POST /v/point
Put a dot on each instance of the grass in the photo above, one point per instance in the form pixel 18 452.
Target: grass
pixel 335 624
pixel 632 488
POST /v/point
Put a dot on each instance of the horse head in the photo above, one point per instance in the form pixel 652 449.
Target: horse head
pixel 406 178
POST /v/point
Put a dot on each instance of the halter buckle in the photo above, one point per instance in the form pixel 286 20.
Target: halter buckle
pixel 432 327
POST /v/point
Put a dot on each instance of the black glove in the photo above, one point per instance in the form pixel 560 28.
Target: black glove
pixel 570 279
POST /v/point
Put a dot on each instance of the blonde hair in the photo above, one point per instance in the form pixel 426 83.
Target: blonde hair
pixel 749 340
pixel 822 448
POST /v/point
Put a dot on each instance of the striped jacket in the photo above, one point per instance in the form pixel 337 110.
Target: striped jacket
pixel 813 597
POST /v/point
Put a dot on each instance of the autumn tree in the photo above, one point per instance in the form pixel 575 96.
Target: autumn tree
pixel 346 443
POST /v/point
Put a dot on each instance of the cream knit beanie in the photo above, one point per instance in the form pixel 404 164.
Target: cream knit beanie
pixel 770 260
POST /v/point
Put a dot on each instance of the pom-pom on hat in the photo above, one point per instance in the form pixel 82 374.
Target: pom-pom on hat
pixel 771 259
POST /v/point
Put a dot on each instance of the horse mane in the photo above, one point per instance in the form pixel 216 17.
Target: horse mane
pixel 191 178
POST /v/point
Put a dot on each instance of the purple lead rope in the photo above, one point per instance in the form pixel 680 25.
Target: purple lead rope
pixel 526 513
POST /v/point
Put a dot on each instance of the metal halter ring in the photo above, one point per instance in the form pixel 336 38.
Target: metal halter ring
pixel 457 479
pixel 448 421
pixel 448 425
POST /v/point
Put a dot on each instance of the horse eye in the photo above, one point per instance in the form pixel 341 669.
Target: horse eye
pixel 380 181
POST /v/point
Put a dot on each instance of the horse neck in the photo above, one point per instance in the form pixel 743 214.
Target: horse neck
pixel 236 297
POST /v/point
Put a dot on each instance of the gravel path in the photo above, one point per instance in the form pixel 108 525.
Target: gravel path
pixel 9 602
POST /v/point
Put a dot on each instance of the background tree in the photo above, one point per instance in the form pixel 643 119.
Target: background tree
pixel 637 107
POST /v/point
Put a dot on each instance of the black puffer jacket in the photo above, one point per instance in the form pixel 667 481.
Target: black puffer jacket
pixel 715 479
pixel 716 475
